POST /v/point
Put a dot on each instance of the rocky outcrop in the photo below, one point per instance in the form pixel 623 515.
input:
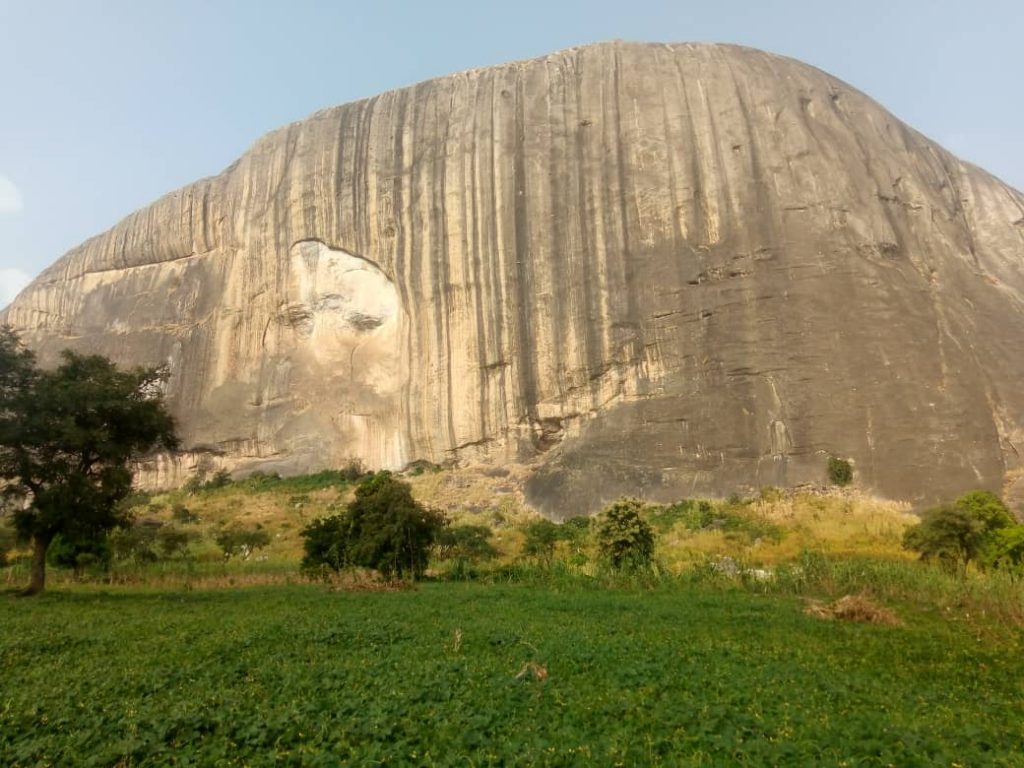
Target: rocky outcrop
pixel 656 269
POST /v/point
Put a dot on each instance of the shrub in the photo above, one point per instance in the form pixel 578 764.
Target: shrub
pixel 1004 549
pixel 325 478
pixel 182 514
pixel 987 507
pixel 693 514
pixel 623 537
pixel 840 471
pixel 352 471
pixel 220 479
pixel 136 543
pixel 171 541
pixel 420 466
pixel 238 540
pixel 324 543
pixel 576 528
pixel 383 528
pixel 467 543
pixel 576 531
pixel 956 534
pixel 79 551
pixel 542 536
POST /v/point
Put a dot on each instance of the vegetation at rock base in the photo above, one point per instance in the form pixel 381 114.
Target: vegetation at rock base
pixel 541 538
pixel 467 543
pixel 624 538
pixel 745 638
pixel 840 471
pixel 977 524
pixel 383 528
pixel 258 482
pixel 66 438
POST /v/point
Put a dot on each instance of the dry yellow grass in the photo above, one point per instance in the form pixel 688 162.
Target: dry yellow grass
pixel 469 496
pixel 837 523
pixel 840 523
pixel 853 608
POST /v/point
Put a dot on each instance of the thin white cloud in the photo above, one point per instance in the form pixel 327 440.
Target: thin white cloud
pixel 10 196
pixel 12 280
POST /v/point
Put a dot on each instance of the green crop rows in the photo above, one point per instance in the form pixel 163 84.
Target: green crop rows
pixel 493 675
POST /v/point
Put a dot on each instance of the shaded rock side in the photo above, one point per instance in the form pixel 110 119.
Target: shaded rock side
pixel 639 268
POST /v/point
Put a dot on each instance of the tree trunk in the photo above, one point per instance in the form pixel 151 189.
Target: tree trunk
pixel 37 582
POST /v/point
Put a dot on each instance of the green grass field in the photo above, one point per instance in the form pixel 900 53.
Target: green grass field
pixel 477 674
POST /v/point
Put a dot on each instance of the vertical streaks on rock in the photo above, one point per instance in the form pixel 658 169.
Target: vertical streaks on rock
pixel 663 269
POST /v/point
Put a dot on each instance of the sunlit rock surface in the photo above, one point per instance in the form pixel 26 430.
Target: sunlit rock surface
pixel 664 270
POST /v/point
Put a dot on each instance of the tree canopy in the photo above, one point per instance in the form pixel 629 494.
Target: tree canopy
pixel 956 534
pixel 383 528
pixel 623 537
pixel 67 436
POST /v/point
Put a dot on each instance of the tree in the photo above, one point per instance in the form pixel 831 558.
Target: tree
pixel 955 534
pixel 67 436
pixel 623 537
pixel 323 543
pixel 542 536
pixel 238 540
pixel 1005 550
pixel 383 528
pixel 988 508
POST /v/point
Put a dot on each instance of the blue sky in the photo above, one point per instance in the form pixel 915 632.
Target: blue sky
pixel 107 104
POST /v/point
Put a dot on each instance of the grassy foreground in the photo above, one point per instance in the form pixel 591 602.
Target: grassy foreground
pixel 476 674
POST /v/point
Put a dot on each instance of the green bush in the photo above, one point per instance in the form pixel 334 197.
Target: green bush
pixel 840 471
pixel 542 536
pixel 693 514
pixel 956 534
pixel 987 507
pixel 239 540
pixel 326 478
pixel 421 466
pixel 198 482
pixel 80 551
pixel 383 528
pixel 172 542
pixel 1004 549
pixel 467 543
pixel 182 514
pixel 324 543
pixel 623 537
pixel 352 471
pixel 136 543
pixel 576 528
pixel 576 532
pixel 735 518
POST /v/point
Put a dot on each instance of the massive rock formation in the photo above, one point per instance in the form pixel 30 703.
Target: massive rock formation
pixel 657 269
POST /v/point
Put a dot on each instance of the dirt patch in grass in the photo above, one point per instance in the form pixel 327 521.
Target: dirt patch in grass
pixel 853 608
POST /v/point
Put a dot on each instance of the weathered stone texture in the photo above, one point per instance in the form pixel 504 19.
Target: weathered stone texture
pixel 657 269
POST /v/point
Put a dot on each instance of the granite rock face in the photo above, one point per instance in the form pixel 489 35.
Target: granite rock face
pixel 664 270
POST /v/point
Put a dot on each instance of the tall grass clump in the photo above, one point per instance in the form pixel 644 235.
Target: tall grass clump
pixel 996 596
